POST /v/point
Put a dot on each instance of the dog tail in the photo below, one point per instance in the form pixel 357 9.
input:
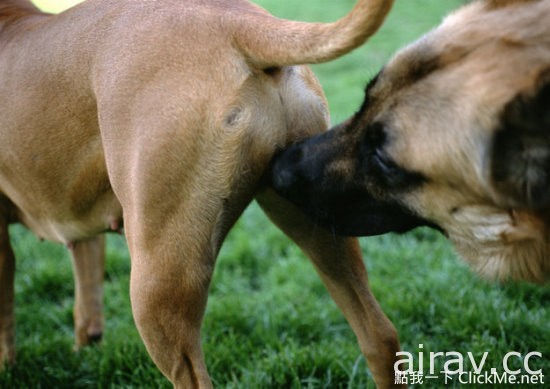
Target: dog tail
pixel 271 42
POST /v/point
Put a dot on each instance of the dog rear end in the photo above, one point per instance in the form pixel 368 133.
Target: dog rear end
pixel 162 117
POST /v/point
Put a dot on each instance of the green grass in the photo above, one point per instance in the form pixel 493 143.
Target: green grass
pixel 270 322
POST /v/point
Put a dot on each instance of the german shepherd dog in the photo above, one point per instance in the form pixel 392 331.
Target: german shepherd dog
pixel 454 133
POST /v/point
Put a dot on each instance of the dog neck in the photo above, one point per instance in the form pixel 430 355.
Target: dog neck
pixel 14 10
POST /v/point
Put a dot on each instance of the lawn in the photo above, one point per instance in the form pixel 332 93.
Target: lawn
pixel 270 323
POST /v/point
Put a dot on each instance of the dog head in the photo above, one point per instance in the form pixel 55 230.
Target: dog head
pixel 454 132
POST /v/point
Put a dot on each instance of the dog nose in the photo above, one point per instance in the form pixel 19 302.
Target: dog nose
pixel 285 166
pixel 285 172
pixel 283 178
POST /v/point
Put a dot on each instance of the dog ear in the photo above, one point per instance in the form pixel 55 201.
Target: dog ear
pixel 520 158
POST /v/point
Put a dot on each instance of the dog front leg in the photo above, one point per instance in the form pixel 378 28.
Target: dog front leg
pixel 7 274
pixel 339 264
pixel 88 258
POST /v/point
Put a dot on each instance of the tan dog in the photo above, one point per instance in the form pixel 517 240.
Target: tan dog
pixel 162 116
pixel 454 133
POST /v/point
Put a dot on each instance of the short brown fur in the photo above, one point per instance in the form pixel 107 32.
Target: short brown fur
pixel 162 116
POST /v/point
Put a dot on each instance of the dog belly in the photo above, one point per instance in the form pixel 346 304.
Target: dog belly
pixel 57 181
pixel 58 225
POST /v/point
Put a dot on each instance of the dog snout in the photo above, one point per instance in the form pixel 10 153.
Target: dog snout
pixel 286 166
pixel 303 165
pixel 292 175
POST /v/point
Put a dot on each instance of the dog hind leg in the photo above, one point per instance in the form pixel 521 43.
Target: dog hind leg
pixel 88 258
pixel 339 264
pixel 168 289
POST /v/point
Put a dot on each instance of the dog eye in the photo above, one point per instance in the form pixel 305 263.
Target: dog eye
pixel 372 149
pixel 389 175
pixel 378 167
pixel 383 162
pixel 384 170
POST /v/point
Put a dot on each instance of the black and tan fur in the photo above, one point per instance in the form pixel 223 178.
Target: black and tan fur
pixel 454 133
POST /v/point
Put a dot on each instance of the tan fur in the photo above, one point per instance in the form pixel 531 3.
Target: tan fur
pixel 164 115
